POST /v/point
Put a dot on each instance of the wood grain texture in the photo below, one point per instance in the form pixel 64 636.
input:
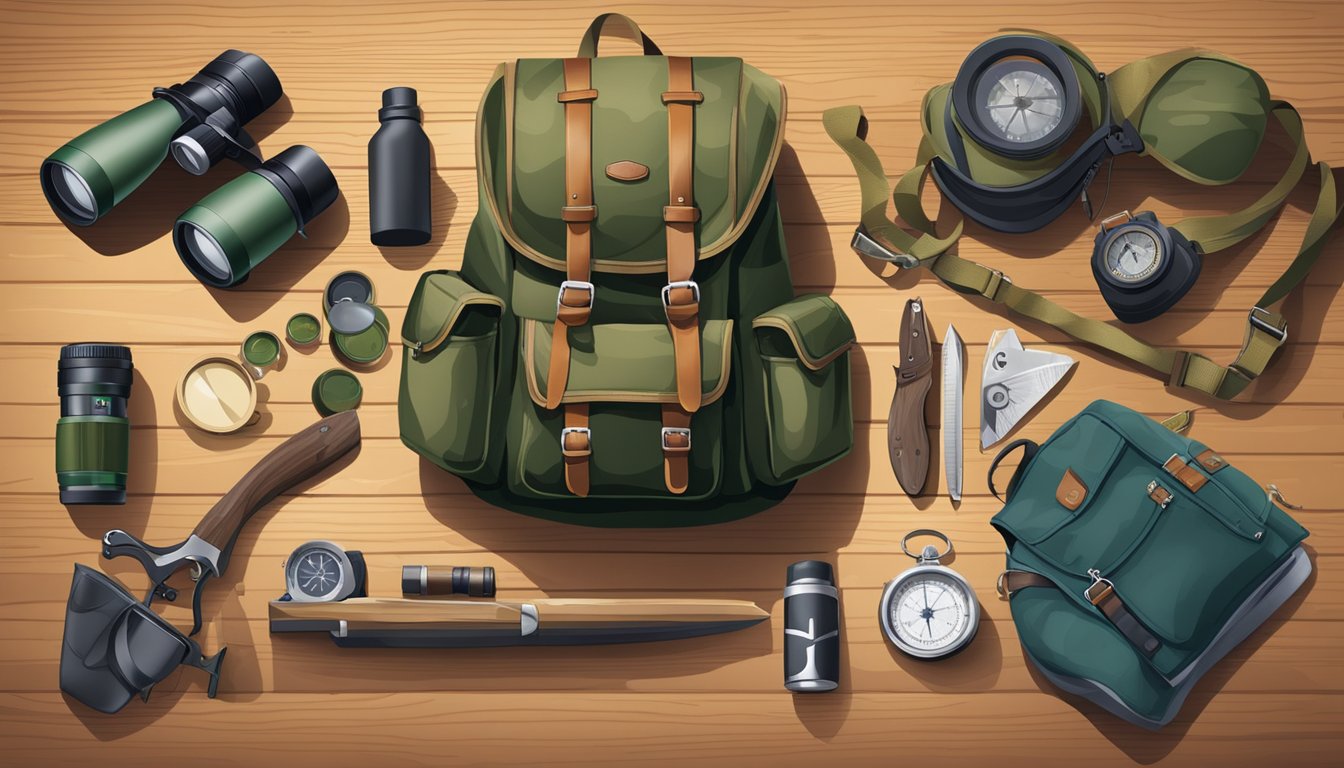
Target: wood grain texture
pixel 297 700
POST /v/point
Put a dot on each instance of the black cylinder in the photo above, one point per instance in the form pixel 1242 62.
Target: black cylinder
pixel 235 80
pixel 811 628
pixel 93 434
pixel 399 168
pixel 304 179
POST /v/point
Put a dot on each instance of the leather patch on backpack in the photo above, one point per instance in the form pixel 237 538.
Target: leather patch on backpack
pixel 1071 491
pixel 627 170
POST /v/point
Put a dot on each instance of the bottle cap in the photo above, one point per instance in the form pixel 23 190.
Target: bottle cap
pixel 811 569
pixel 400 102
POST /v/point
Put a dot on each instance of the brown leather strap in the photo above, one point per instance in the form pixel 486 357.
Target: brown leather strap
pixel 1210 460
pixel 1012 581
pixel 576 446
pixel 574 302
pixel 676 437
pixel 1189 476
pixel 681 297
pixel 1120 616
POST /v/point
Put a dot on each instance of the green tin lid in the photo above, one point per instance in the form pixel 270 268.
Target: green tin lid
pixel 336 390
pixel 368 345
pixel 303 328
pixel 261 348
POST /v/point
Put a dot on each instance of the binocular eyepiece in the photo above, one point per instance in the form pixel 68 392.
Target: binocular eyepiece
pixel 199 122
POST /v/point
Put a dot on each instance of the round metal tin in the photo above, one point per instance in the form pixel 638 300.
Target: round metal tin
pixel 218 394
pixel 336 390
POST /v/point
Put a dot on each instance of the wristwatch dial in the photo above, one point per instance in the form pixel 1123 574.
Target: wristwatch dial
pixel 1133 255
pixel 1023 100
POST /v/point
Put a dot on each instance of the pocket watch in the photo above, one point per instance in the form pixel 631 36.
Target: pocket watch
pixel 929 611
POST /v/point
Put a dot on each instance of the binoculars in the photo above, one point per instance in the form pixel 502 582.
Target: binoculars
pixel 233 229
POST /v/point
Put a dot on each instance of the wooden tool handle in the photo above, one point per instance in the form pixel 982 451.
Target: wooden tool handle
pixel 295 460
pixel 907 437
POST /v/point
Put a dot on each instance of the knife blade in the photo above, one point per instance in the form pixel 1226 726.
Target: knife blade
pixel 954 352
pixel 1014 381
pixel 907 435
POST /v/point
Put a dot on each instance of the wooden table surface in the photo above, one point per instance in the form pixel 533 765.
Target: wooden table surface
pixel 65 66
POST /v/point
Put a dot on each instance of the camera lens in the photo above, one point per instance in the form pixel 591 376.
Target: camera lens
pixel 93 433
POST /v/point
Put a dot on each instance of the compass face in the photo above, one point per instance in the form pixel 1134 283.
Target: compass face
pixel 929 613
pixel 1133 255
pixel 1023 100
pixel 315 573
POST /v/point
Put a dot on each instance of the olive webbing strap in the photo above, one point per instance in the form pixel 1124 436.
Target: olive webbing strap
pixel 1266 330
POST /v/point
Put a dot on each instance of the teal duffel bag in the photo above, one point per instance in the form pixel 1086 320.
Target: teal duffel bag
pixel 1137 558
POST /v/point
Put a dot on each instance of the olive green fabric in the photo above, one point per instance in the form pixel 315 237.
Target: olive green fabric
pixel 1182 570
pixel 1204 117
pixel 477 341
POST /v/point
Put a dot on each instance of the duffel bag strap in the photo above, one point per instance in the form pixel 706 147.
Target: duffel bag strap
pixel 576 446
pixel 1266 330
pixel 676 437
pixel 681 295
pixel 574 302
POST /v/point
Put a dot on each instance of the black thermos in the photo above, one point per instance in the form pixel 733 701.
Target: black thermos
pixel 399 212
pixel 811 628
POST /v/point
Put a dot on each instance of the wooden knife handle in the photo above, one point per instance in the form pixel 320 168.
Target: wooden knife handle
pixel 907 437
pixel 293 461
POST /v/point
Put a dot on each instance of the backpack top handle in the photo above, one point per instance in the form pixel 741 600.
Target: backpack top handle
pixel 588 44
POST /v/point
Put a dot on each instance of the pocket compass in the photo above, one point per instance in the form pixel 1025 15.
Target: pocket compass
pixel 929 611
pixel 319 572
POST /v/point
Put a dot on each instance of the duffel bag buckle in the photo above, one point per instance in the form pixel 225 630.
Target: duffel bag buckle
pixel 1262 318
pixel 667 292
pixel 1099 589
pixel 575 285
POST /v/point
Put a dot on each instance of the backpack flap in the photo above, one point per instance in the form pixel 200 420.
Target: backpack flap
pixel 521 152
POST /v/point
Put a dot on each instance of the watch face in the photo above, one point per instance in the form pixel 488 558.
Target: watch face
pixel 930 613
pixel 1022 100
pixel 1133 255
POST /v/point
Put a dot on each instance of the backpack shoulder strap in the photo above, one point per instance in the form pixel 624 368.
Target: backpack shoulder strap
pixel 1266 329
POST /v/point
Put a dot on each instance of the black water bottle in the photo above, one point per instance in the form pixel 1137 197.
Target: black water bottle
pixel 811 628
pixel 399 212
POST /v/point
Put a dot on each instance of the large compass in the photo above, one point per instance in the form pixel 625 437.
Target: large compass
pixel 929 611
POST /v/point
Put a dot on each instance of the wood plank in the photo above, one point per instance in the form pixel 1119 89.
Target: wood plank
pixel 669 729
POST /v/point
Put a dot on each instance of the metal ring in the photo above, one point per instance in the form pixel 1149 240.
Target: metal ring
pixel 926 532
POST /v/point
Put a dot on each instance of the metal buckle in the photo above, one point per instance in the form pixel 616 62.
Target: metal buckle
pixel 668 431
pixel 1153 486
pixel 587 438
pixel 667 292
pixel 1126 215
pixel 864 245
pixel 1281 334
pixel 578 285
pixel 1096 582
pixel 1001 280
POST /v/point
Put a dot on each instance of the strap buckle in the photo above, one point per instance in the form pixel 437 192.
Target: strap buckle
pixel 996 281
pixel 1107 588
pixel 1125 215
pixel 676 433
pixel 583 448
pixel 864 245
pixel 1261 318
pixel 667 293
pixel 575 285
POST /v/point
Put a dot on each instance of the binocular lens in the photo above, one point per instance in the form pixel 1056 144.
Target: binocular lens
pixel 73 195
pixel 233 229
pixel 93 437
pixel 209 255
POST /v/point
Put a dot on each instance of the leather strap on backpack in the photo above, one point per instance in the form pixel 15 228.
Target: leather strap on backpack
pixel 1102 594
pixel 576 446
pixel 681 295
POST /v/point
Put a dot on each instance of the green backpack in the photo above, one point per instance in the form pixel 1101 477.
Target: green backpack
pixel 622 345
pixel 1137 558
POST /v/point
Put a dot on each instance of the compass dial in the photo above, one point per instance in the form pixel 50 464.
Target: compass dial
pixel 1133 255
pixel 318 573
pixel 1024 104
pixel 930 612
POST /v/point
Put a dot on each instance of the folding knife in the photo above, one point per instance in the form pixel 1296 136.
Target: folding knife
pixel 907 436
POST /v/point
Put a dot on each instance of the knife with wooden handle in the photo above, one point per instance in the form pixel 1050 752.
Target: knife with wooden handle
pixel 907 436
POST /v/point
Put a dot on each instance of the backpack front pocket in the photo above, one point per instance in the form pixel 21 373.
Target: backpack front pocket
pixel 448 373
pixel 806 417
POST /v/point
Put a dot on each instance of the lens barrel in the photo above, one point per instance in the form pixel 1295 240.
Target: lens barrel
pixel 93 438
pixel 236 227
pixel 243 83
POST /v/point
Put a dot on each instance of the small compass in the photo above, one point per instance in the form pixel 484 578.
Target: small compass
pixel 319 571
pixel 929 611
